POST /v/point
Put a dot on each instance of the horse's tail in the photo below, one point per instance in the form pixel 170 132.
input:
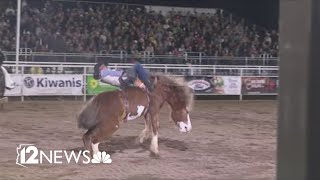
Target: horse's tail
pixel 87 118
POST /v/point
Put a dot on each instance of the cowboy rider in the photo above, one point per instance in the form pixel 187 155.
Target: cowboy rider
pixel 139 72
pixel 117 78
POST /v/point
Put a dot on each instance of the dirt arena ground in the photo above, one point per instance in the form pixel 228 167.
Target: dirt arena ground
pixel 230 140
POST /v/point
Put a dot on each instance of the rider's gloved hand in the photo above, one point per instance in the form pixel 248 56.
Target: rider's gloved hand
pixel 149 86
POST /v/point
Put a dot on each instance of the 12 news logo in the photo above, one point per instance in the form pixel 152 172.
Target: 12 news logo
pixel 28 154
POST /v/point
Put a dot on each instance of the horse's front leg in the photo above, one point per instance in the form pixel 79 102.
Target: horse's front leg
pixel 154 142
pixel 145 133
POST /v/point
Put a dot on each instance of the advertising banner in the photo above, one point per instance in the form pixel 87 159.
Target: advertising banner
pixel 16 91
pixel 224 85
pixel 52 84
pixel 95 87
pixel 259 85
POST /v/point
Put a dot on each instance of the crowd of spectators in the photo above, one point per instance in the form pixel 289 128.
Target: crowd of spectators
pixel 90 28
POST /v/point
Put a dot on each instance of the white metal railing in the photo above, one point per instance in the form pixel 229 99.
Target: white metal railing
pixel 177 69
pixel 121 56
pixel 152 66
pixel 86 69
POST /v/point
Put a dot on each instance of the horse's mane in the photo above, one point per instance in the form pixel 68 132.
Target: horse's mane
pixel 180 85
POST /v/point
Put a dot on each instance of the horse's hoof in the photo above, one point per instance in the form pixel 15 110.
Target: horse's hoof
pixel 154 155
pixel 138 141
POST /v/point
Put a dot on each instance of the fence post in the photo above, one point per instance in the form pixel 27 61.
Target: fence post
pixel 84 84
pixel 186 57
pixel 259 70
pixel 121 56
pixel 241 74
pixel 64 57
pixel 22 82
pixel 200 61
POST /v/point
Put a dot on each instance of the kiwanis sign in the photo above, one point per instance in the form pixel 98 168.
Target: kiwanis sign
pixel 53 84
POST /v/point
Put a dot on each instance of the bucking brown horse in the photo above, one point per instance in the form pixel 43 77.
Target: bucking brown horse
pixel 103 114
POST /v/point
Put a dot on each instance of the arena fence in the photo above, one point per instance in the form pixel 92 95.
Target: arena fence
pixel 75 79
pixel 198 58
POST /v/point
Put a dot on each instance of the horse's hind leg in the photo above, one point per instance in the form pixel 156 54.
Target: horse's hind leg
pixel 87 141
pixel 91 142
pixel 93 137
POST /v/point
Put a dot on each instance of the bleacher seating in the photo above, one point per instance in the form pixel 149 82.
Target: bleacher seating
pixel 55 26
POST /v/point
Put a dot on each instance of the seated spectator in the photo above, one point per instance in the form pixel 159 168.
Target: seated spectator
pixel 77 27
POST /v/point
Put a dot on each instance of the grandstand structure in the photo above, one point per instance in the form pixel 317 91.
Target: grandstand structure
pixel 200 44
pixel 124 29
pixel 86 32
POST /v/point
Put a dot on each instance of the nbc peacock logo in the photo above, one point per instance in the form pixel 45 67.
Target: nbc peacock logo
pixel 101 157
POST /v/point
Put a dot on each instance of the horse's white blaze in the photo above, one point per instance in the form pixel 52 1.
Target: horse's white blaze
pixel 185 127
pixel 140 110
pixel 154 143
pixel 95 148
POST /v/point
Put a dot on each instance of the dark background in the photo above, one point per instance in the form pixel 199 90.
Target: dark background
pixel 260 12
